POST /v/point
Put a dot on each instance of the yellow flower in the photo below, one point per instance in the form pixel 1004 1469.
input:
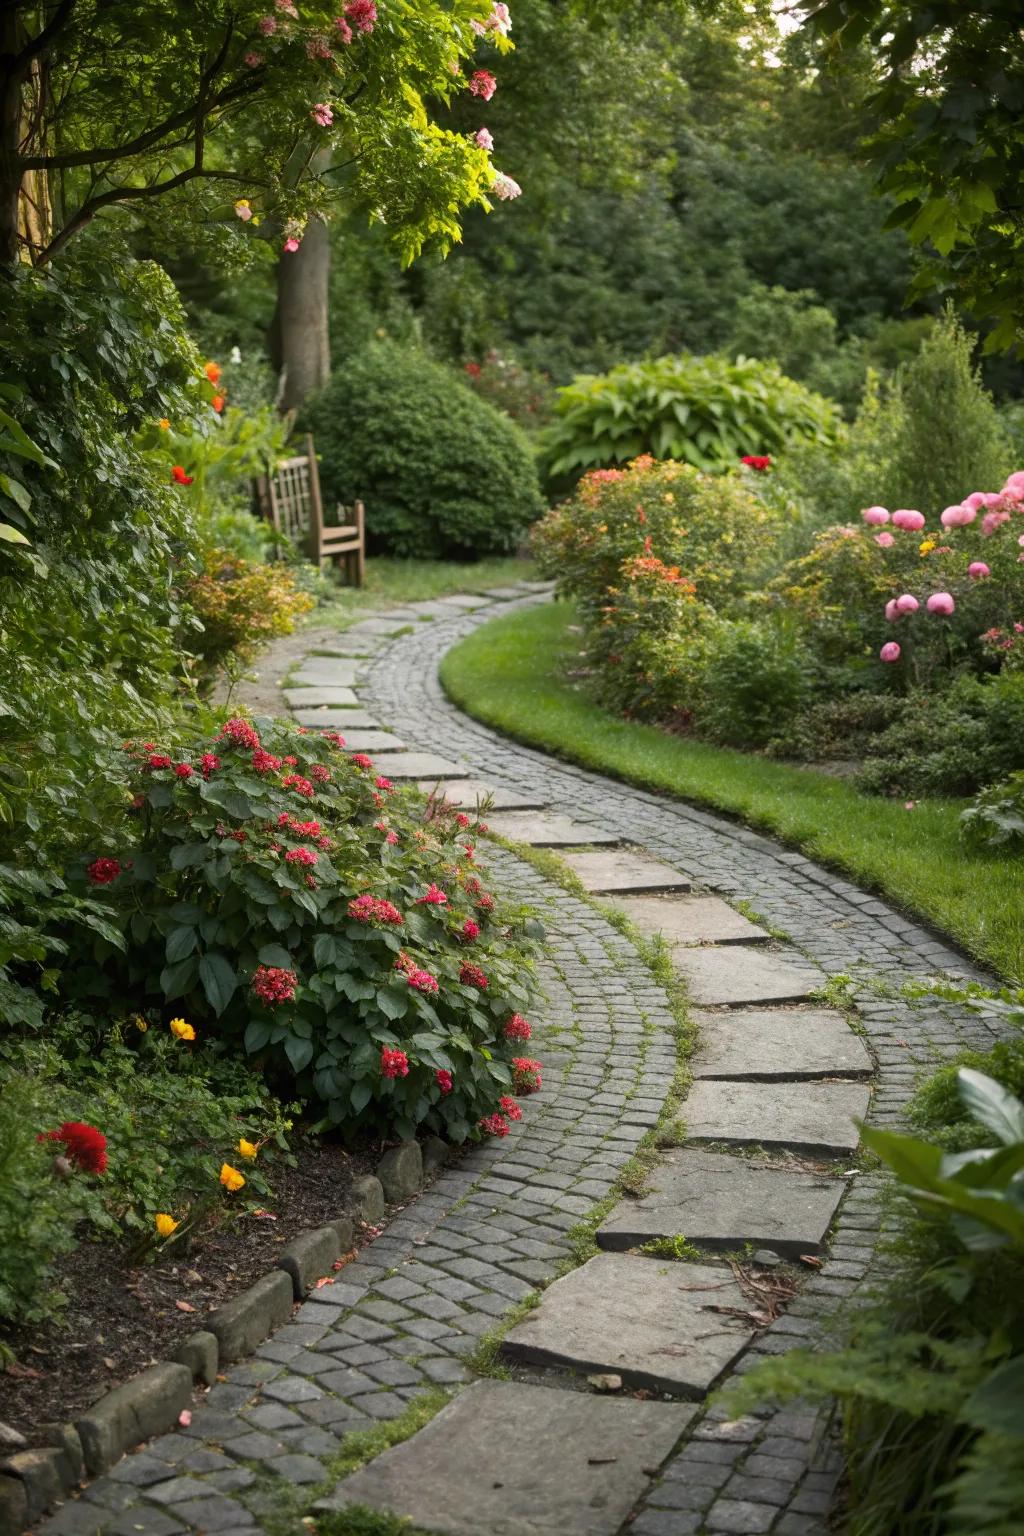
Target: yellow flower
pixel 247 1149
pixel 182 1030
pixel 140 1024
pixel 165 1224
pixel 165 425
pixel 927 546
pixel 230 1177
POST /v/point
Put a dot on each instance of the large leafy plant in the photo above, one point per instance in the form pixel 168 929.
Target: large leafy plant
pixel 289 903
pixel 932 1380
pixel 706 411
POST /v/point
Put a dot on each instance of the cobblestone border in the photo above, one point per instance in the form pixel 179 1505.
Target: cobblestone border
pixel 410 1311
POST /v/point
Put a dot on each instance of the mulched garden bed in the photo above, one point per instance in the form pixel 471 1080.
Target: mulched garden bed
pixel 119 1320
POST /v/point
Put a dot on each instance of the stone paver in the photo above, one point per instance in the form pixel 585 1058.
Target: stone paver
pixel 547 829
pixel 717 1201
pixel 687 920
pixel 373 741
pixel 309 698
pixel 623 872
pixel 778 1042
pixel 735 976
pixel 327 672
pixel 469 792
pixel 813 1117
pixel 653 1322
pixel 422 765
pixel 326 718
pixel 515 1460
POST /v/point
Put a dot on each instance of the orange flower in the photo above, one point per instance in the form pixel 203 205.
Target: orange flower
pixel 230 1177
pixel 165 425
pixel 212 371
pixel 218 403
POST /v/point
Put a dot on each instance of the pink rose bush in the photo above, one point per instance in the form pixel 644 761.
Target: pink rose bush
pixel 261 896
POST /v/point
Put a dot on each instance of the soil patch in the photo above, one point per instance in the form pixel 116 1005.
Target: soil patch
pixel 119 1319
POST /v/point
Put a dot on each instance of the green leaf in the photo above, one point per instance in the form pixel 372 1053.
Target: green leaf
pixel 257 1034
pixel 219 981
pixel 299 1052
pixel 360 1095
pixel 915 1162
pixel 273 954
pixel 9 535
pixel 998 1404
pixel 180 942
pixel 991 1104
pixel 324 951
pixel 392 1003
pixel 175 980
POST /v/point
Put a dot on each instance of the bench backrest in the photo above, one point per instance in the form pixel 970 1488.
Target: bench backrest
pixel 293 492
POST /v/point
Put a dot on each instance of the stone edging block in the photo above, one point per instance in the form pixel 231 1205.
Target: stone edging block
pixel 146 1405
pixel 245 1322
pixel 309 1256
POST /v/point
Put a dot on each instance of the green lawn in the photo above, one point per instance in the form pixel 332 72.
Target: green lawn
pixel 393 582
pixel 511 673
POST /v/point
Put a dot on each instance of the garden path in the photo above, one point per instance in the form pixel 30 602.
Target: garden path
pixel 768 1162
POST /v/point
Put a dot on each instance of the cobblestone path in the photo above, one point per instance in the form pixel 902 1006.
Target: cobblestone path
pixel 768 1164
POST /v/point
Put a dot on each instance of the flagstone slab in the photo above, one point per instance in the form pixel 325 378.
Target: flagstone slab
pixel 361 645
pixel 373 741
pixel 735 976
pixel 421 765
pixel 516 1460
pixel 502 594
pixel 718 1201
pixel 547 829
pixel 308 698
pixel 431 608
pixel 469 792
pixel 464 600
pixel 647 1320
pixel 328 719
pixel 379 625
pixel 624 872
pixel 686 920
pixel 764 1043
pixel 329 671
pixel 817 1118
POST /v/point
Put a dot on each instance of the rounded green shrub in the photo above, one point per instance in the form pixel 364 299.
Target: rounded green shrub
pixel 443 473
pixel 705 411
pixel 756 677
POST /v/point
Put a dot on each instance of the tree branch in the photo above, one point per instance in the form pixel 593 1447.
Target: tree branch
pixel 41 42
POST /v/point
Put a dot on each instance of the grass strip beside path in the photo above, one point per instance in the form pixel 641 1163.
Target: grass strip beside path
pixel 512 675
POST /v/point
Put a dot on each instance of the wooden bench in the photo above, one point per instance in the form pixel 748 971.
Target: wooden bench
pixel 291 499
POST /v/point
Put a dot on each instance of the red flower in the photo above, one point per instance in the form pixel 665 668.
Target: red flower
pixel 462 819
pixel 179 476
pixel 158 760
pixel 435 897
pixel 472 976
pixel 292 762
pixel 393 1063
pixel 300 856
pixel 103 871
pixel 758 461
pixel 303 828
pixel 474 369
pixel 183 770
pixel 383 783
pixel 372 909
pixel 272 984
pixel 300 785
pixel 241 732
pixel 362 14
pixel 517 1028
pixel 525 1075
pixel 486 903
pixel 494 1125
pixel 511 1108
pixel 218 403
pixel 482 83
pixel 361 760
pixel 265 762
pixel 469 931
pixel 444 1080
pixel 84 1145
pixel 335 737
pixel 209 763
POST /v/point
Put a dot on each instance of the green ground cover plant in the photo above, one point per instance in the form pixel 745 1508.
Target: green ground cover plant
pixel 517 674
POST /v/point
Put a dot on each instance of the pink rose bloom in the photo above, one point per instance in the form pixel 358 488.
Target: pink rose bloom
pixel 992 520
pixel 287 8
pixel 958 516
pixel 890 651
pixel 268 25
pixel 1015 485
pixel 505 188
pixel 253 59
pixel 291 245
pixel 886 539
pixel 483 138
pixel 976 500
pixel 977 570
pixel 362 14
pixel 940 602
pixel 908 519
pixel 875 516
pixel 482 83
pixel 992 498
pixel 892 613
pixel 907 603
pixel 322 114
pixel 343 29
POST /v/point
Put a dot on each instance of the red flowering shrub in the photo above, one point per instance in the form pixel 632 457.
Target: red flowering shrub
pixel 84 1146
pixel 262 902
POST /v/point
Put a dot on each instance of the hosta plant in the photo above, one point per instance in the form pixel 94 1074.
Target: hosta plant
pixel 287 901
pixel 707 411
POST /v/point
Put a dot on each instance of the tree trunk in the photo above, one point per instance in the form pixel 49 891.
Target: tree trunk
pixel 10 135
pixel 300 331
